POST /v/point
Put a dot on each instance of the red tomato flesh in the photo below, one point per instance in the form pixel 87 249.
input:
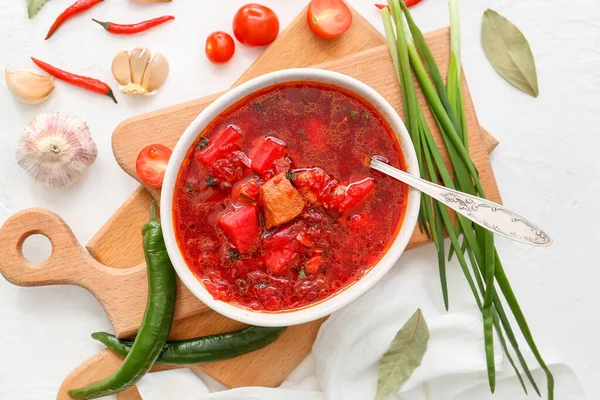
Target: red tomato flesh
pixel 220 47
pixel 350 214
pixel 151 165
pixel 329 19
pixel 255 25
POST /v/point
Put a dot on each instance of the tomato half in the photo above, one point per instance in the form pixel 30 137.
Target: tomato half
pixel 255 25
pixel 219 47
pixel 151 165
pixel 329 19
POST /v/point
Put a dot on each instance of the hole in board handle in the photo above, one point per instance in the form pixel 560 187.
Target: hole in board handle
pixel 36 248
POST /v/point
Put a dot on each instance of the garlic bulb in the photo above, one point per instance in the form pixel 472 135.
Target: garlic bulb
pixel 140 72
pixel 29 88
pixel 56 149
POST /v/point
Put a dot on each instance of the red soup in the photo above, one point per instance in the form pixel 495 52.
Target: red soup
pixel 274 207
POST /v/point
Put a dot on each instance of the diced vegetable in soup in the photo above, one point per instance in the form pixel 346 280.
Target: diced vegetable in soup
pixel 274 207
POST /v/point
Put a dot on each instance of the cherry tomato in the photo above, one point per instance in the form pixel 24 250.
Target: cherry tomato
pixel 255 25
pixel 151 165
pixel 219 47
pixel 328 19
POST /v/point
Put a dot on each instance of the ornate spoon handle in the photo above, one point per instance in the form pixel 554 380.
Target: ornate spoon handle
pixel 492 216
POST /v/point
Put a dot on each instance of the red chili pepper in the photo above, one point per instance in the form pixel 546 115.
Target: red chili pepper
pixel 77 7
pixel 409 3
pixel 119 29
pixel 82 81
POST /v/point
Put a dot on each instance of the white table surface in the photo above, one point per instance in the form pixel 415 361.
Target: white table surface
pixel 546 165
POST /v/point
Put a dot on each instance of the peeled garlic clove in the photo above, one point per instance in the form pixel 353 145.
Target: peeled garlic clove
pixel 138 72
pixel 138 61
pixel 56 149
pixel 29 88
pixel 156 73
pixel 120 68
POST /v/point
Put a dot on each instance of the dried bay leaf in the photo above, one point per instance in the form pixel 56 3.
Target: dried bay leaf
pixel 33 6
pixel 403 356
pixel 508 51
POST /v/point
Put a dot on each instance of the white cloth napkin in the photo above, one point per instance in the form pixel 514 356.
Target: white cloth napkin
pixel 345 358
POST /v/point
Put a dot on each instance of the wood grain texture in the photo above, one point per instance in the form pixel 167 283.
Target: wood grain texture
pixel 69 263
pixel 94 369
pixel 122 232
pixel 489 141
pixel 267 367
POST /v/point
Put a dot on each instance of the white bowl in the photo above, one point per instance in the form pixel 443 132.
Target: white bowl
pixel 344 296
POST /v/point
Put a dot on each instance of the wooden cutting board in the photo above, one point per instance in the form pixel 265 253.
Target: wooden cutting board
pixel 118 243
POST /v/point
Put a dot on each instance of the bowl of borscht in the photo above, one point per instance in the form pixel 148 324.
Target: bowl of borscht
pixel 270 213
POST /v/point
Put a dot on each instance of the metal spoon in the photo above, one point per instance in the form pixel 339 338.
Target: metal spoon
pixel 492 216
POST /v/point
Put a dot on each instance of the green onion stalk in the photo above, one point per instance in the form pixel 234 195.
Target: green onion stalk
pixel 477 255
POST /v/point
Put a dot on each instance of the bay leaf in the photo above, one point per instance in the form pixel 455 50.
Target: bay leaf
pixel 33 6
pixel 403 356
pixel 508 51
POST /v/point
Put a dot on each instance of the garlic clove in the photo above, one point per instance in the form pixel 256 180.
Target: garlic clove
pixel 120 68
pixel 156 73
pixel 140 72
pixel 138 61
pixel 29 88
pixel 56 149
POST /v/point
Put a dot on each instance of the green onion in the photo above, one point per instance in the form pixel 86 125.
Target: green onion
pixel 409 49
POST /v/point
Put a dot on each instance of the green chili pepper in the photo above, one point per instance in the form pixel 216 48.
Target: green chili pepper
pixel 155 327
pixel 203 349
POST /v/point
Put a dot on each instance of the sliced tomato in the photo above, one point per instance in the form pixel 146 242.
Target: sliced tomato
pixel 329 19
pixel 151 165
